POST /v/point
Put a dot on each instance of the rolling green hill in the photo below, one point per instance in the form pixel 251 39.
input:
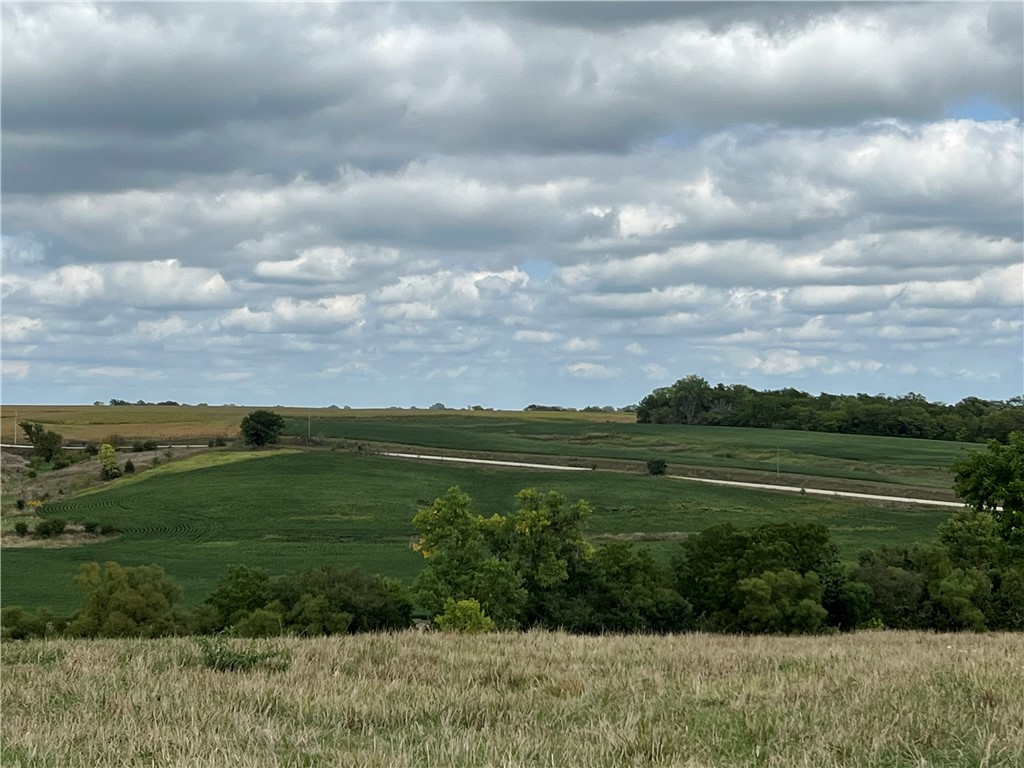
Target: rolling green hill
pixel 290 510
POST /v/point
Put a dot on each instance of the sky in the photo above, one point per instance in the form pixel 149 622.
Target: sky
pixel 501 204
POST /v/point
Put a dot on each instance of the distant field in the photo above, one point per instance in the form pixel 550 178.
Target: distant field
pixel 882 460
pixel 289 510
pixel 535 699
pixel 173 422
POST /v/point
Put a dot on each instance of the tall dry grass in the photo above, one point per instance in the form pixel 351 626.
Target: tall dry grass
pixel 871 699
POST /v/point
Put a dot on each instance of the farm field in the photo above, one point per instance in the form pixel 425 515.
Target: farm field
pixel 286 510
pixel 885 464
pixel 922 464
pixel 408 699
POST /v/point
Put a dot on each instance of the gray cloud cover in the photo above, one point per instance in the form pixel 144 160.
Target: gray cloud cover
pixel 509 203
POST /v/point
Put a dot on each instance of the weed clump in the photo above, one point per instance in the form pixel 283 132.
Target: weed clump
pixel 220 654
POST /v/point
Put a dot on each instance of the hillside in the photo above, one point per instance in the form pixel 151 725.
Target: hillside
pixel 866 699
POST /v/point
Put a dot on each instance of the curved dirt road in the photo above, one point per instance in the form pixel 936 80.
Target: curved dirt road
pixel 734 483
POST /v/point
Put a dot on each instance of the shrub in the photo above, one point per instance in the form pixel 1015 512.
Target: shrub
pixel 21 528
pixel 129 467
pixel 107 529
pixel 62 461
pixel 656 466
pixel 31 474
pixel 138 447
pixel 108 462
pixel 91 449
pixel 218 653
pixel 220 442
pixel 91 527
pixel 49 528
pixel 464 616
pixel 20 503
pixel 149 445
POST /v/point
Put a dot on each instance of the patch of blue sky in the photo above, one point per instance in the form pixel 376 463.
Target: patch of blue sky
pixel 538 269
pixel 982 108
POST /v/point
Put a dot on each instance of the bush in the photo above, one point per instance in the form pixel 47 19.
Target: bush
pixel 20 503
pixel 220 442
pixel 149 445
pixel 62 461
pixel 91 449
pixel 21 528
pixel 129 467
pixel 91 527
pixel 107 529
pixel 138 447
pixel 464 616
pixel 49 528
pixel 656 466
pixel 218 653
pixel 31 474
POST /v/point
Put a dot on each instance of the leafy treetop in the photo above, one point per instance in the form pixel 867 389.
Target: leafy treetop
pixel 261 428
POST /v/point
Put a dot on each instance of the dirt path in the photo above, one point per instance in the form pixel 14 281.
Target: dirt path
pixel 732 483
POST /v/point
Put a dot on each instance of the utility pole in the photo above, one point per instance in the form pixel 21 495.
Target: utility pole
pixel 776 461
pixel 15 427
pixel 309 424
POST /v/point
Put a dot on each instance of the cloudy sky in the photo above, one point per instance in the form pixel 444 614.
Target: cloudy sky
pixel 565 203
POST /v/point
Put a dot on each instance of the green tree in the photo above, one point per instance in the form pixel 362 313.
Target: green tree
pixel 783 602
pixel 140 601
pixel 260 428
pixel 993 480
pixel 108 462
pixel 47 444
pixel 504 562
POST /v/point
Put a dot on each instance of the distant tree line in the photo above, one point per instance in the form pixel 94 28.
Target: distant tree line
pixel 692 400
pixel 533 567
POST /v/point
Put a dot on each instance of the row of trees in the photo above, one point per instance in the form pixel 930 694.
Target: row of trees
pixel 692 400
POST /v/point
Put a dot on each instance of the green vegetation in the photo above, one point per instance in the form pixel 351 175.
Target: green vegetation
pixel 993 480
pixel 539 698
pixel 288 510
pixel 914 464
pixel 692 400
pixel 261 428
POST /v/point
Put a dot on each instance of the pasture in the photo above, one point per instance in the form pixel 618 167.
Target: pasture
pixel 863 699
pixel 285 510
pixel 891 466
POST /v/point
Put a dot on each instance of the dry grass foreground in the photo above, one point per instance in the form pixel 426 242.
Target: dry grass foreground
pixel 870 699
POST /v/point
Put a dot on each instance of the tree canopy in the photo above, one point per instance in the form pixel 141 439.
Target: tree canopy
pixel 692 400
pixel 260 428
pixel 993 480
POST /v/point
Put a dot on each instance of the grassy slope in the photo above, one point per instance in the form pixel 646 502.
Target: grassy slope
pixel 292 510
pixel 914 463
pixel 875 699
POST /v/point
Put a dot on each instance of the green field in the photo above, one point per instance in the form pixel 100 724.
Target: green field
pixel 289 510
pixel 882 460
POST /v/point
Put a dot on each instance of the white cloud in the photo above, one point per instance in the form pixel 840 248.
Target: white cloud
pixel 162 328
pixel 655 372
pixel 18 328
pixel 777 362
pixel 152 284
pixel 535 337
pixel 592 371
pixel 576 344
pixel 635 349
pixel 317 316
pixel 15 369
